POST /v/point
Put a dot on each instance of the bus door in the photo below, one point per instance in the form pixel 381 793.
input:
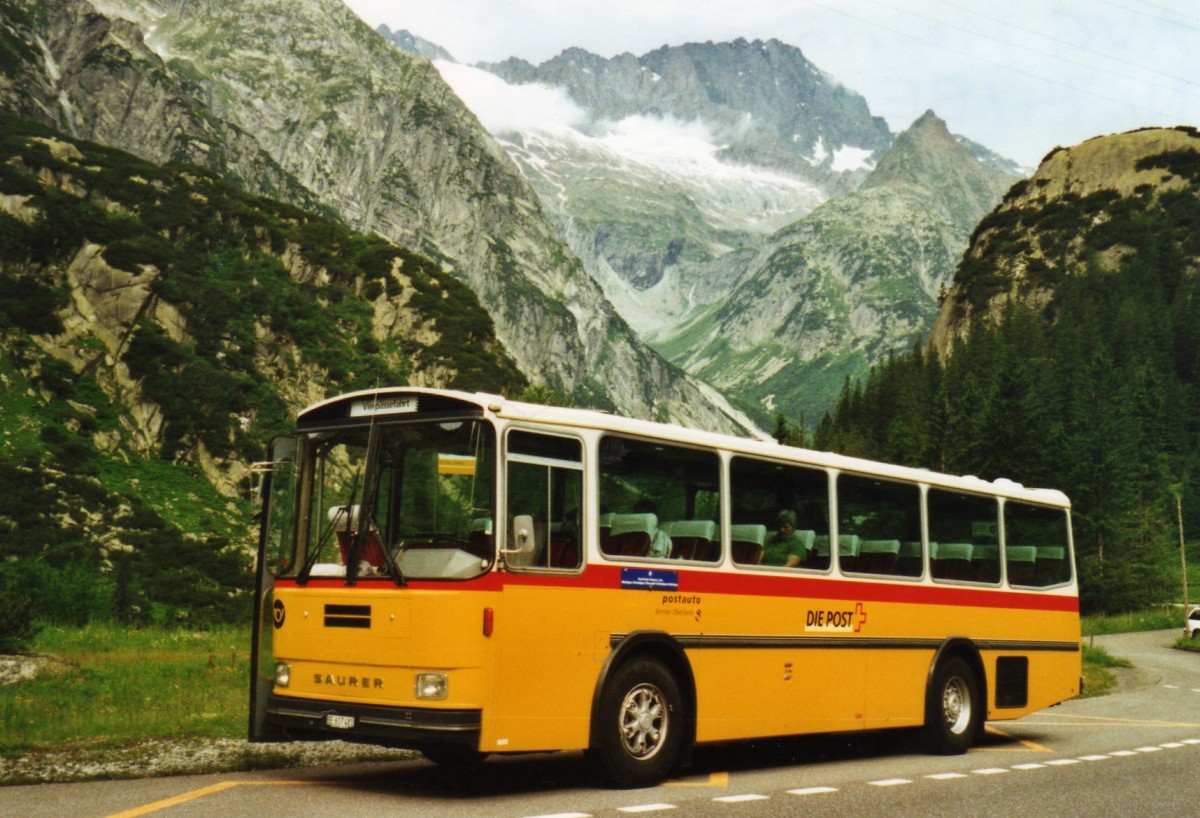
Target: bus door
pixel 276 550
pixel 545 673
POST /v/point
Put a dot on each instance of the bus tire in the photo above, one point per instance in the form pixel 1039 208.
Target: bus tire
pixel 641 725
pixel 954 714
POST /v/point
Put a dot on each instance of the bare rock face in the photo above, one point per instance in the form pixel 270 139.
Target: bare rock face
pixel 842 287
pixel 301 101
pixel 1042 229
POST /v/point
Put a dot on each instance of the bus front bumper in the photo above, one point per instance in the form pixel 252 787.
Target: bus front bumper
pixel 408 727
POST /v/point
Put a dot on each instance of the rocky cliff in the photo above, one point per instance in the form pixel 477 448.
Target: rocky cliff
pixel 157 327
pixel 362 130
pixel 720 260
pixel 839 289
pixel 1078 211
pixel 767 103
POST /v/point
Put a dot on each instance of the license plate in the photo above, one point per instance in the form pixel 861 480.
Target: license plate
pixel 339 722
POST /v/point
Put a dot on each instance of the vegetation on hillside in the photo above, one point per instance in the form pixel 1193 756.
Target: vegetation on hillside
pixel 1095 392
pixel 249 307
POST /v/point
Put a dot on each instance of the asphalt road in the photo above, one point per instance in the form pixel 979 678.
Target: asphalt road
pixel 1134 753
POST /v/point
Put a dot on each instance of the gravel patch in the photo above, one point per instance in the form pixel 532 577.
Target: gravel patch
pixel 15 669
pixel 159 757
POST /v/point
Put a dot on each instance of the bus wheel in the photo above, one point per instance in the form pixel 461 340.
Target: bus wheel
pixel 955 711
pixel 641 725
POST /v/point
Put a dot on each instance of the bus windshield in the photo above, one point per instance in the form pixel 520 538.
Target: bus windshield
pixel 405 501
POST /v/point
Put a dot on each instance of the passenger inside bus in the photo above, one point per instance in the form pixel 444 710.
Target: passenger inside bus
pixel 786 547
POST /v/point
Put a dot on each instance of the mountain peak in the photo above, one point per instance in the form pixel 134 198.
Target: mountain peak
pixel 407 41
pixel 921 150
pixel 929 157
pixel 928 120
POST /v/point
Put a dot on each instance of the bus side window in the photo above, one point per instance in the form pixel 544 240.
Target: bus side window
pixel 659 501
pixel 876 517
pixel 780 514
pixel 545 485
pixel 964 536
pixel 1036 547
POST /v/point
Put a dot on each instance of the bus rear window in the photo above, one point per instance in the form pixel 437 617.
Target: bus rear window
pixel 1036 545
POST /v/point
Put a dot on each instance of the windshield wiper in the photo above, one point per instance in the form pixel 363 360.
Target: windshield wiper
pixel 310 560
pixel 362 528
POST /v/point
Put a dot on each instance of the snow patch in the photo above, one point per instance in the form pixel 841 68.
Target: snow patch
pixel 504 108
pixel 848 158
pixel 820 154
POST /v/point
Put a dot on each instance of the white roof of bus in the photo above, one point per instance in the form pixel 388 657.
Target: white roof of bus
pixel 603 421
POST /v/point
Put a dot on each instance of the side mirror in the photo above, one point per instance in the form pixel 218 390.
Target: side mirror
pixel 524 537
pixel 282 454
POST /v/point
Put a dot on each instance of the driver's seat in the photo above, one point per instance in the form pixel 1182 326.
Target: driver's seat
pixel 344 520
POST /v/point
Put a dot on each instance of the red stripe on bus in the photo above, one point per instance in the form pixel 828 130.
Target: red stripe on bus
pixel 744 584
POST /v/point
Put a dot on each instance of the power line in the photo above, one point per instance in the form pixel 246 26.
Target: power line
pixel 1176 21
pixel 1076 46
pixel 976 57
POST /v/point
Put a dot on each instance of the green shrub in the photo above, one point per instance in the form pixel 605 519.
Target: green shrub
pixel 17 625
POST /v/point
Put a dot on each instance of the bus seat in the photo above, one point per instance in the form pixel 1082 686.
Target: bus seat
pixel 344 520
pixel 632 534
pixel 878 556
pixel 1048 569
pixel 985 563
pixel 692 539
pixel 1022 564
pixel 605 531
pixel 909 562
pixel 848 547
pixel 848 551
pixel 747 543
pixel 564 553
pixel 479 535
pixel 951 560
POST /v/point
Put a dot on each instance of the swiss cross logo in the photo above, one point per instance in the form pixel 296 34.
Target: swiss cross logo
pixel 860 616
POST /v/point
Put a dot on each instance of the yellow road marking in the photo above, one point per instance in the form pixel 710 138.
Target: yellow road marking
pixel 146 809
pixel 1029 745
pixel 720 779
pixel 714 780
pixel 1090 721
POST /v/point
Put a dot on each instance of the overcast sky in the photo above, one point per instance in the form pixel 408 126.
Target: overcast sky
pixel 1019 76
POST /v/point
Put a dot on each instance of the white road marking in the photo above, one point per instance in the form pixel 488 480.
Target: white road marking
pixel 647 808
pixel 813 790
pixel 734 799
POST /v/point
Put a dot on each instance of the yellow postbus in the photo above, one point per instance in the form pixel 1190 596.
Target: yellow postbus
pixel 464 575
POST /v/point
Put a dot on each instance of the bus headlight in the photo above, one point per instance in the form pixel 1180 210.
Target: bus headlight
pixel 432 686
pixel 283 674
